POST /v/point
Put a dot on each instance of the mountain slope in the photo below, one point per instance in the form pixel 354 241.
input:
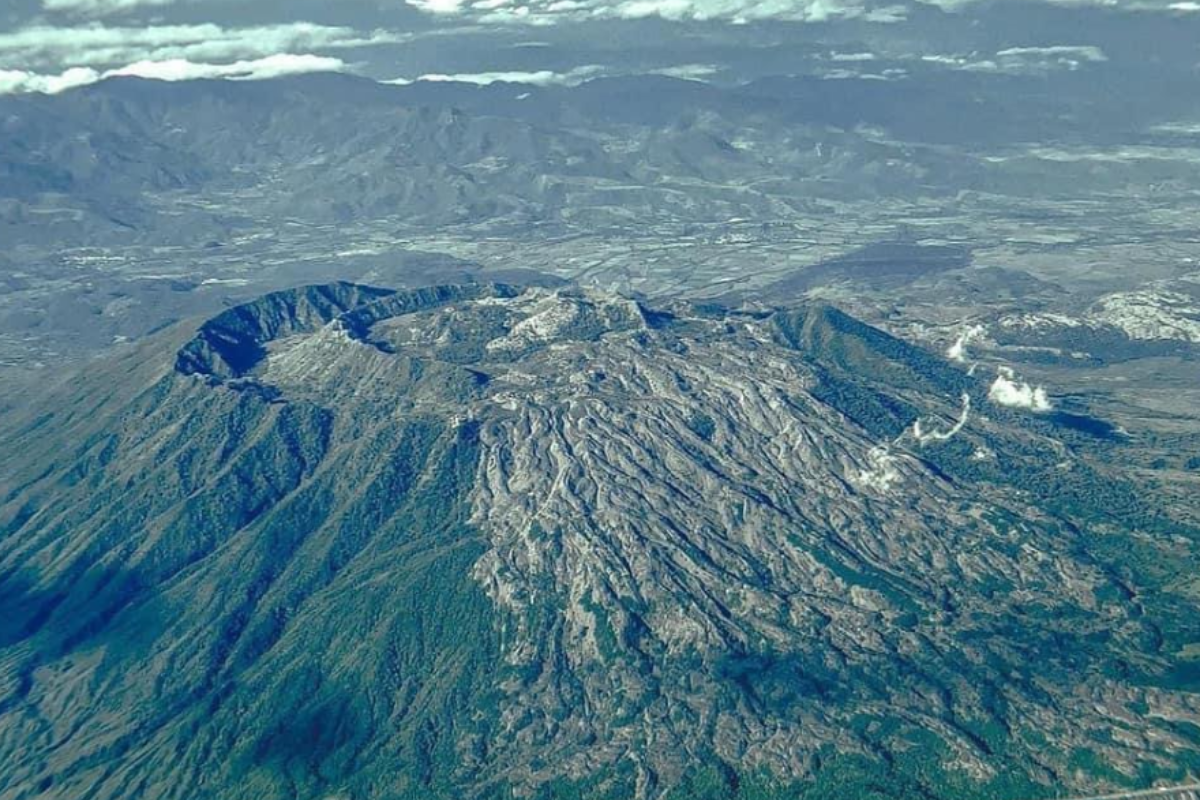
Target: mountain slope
pixel 346 541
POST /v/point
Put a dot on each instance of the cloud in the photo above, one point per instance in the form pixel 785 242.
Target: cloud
pixel 1121 5
pixel 98 8
pixel 572 77
pixel 852 57
pixel 1073 51
pixel 1042 58
pixel 1006 390
pixel 544 12
pixel 545 77
pixel 16 81
pixel 925 437
pixel 548 12
pixel 958 350
pixel 98 45
pixel 688 72
pixel 891 74
pixel 275 66
pixel 1023 60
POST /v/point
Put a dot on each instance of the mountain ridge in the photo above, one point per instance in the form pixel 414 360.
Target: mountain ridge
pixel 481 539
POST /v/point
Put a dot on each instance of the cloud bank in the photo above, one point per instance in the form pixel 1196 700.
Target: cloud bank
pixel 101 7
pixel 546 77
pixel 1023 60
pixel 16 81
pixel 572 77
pixel 545 12
pixel 100 46
pixel 548 12
pixel 276 66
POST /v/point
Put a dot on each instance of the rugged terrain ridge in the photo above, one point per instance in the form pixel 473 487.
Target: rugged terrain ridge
pixel 360 542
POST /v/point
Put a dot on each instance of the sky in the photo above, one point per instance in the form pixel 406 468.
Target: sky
pixel 55 45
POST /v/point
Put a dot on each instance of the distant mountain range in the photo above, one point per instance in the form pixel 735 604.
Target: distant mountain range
pixel 129 160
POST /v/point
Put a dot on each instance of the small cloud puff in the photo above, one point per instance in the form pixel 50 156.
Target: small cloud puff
pixel 958 350
pixel 1007 390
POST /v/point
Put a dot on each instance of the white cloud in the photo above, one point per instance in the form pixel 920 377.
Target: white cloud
pixel 101 7
pixel 1007 390
pixel 1073 51
pixel 275 66
pixel 98 45
pixel 688 72
pixel 1069 57
pixel 547 12
pixel 16 81
pixel 1023 60
pixel 852 57
pixel 439 6
pixel 1124 5
pixel 542 12
pixel 958 350
pixel 544 77
pixel 925 437
pixel 850 74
